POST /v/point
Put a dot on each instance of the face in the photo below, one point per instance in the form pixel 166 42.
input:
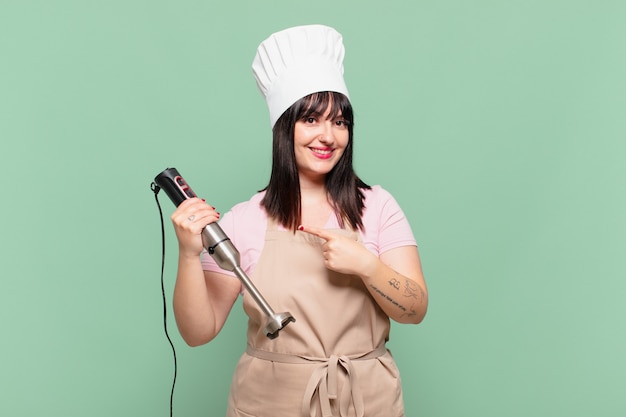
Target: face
pixel 319 143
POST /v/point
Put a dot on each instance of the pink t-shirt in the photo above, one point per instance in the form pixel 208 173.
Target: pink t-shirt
pixel 385 228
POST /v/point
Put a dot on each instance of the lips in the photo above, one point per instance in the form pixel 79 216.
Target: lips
pixel 322 153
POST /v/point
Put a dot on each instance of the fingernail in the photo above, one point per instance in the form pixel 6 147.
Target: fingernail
pixel 300 227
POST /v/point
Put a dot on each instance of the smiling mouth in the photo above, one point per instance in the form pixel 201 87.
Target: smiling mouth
pixel 322 152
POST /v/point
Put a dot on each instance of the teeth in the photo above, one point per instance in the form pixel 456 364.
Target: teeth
pixel 321 151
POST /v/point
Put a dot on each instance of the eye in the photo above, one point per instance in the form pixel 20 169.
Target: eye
pixel 310 120
pixel 342 123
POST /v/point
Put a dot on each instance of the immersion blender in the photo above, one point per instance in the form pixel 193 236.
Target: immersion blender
pixel 219 246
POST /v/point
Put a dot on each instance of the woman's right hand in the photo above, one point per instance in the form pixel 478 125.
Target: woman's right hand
pixel 189 219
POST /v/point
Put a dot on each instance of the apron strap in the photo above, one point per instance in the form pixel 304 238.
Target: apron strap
pixel 324 379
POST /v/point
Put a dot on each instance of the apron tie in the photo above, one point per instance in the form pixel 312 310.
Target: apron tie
pixel 324 379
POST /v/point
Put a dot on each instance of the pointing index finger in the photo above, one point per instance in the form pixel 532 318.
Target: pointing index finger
pixel 324 234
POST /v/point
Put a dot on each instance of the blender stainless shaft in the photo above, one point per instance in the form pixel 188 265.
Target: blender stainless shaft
pixel 227 257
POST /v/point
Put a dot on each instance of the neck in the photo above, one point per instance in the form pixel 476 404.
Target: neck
pixel 315 207
pixel 312 186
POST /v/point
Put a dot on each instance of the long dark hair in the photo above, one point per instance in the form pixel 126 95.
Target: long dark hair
pixel 343 186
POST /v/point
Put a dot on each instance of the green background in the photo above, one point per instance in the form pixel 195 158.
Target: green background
pixel 499 126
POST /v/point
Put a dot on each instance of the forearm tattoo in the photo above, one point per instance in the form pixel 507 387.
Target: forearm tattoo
pixel 404 293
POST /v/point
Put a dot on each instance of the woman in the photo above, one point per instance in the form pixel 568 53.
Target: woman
pixel 318 242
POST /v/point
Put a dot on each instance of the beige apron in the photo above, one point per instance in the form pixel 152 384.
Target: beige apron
pixel 332 360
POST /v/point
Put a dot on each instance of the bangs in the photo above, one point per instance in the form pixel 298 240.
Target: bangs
pixel 316 104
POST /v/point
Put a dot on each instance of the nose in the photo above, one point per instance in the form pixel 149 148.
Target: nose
pixel 327 136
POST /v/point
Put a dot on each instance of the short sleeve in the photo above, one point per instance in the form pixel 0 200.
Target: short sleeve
pixel 245 226
pixel 386 226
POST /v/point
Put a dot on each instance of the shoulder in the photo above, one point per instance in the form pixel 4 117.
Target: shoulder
pixel 385 225
pixel 245 226
pixel 245 218
pixel 377 199
pixel 252 207
pixel 376 192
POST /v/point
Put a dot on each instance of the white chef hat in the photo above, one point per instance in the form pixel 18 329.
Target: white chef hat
pixel 296 62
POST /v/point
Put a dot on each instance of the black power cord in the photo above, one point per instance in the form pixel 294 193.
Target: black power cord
pixel 155 188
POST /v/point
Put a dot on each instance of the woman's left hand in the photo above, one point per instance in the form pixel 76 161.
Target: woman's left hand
pixel 342 254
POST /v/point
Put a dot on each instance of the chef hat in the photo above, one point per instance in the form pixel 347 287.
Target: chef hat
pixel 296 62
